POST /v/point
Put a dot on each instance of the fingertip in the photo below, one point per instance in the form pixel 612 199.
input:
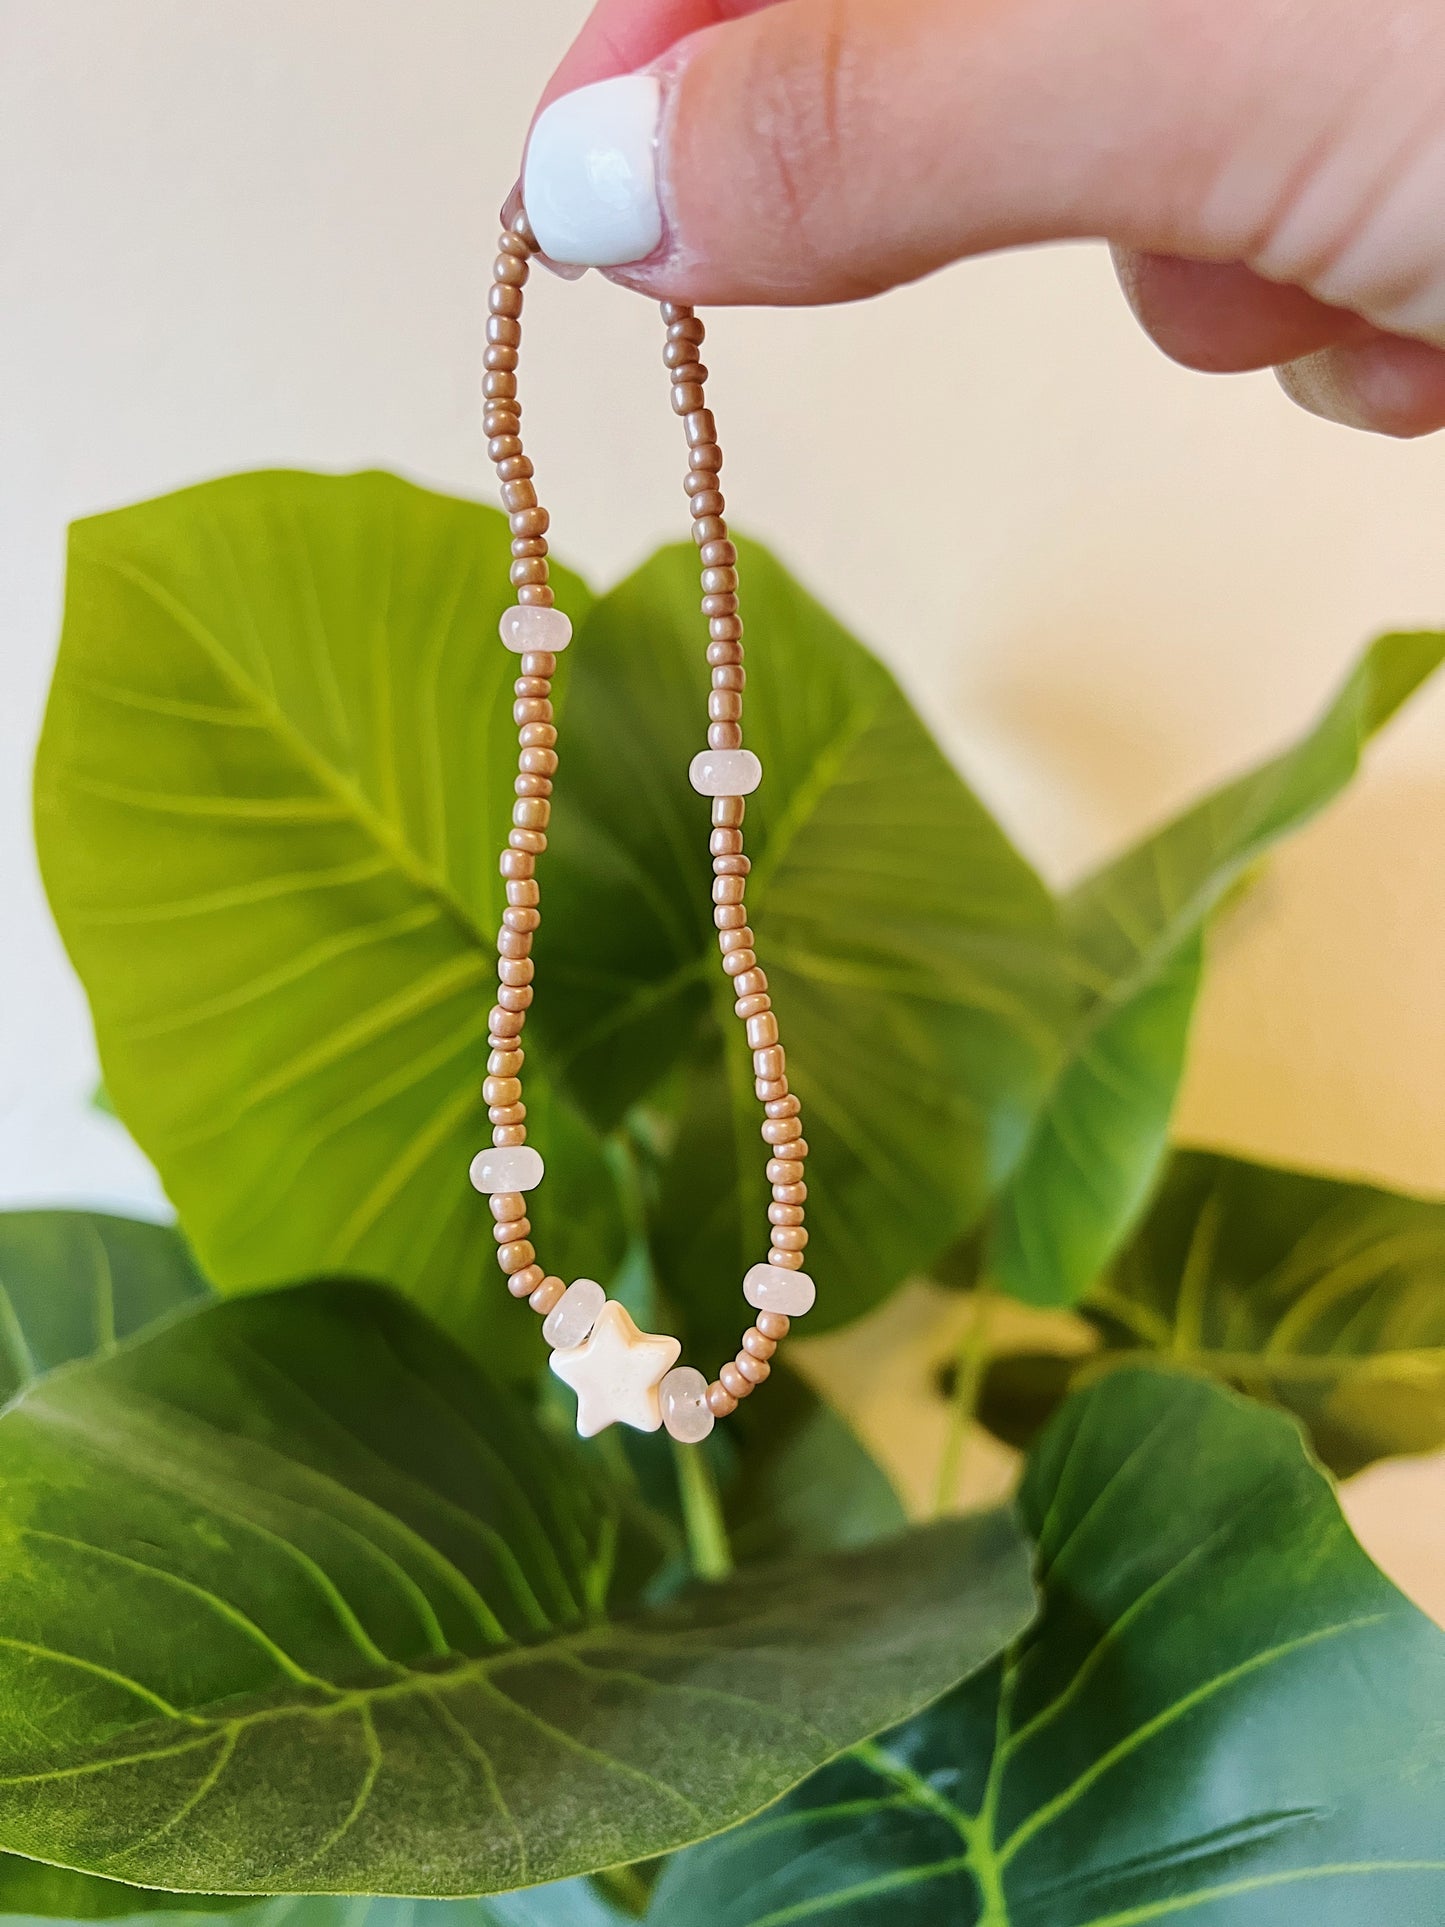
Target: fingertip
pixel 1387 386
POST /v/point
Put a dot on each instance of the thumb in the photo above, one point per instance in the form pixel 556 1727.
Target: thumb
pixel 819 150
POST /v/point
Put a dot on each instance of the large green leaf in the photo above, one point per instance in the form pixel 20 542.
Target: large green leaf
pixel 1136 930
pixel 292 1598
pixel 1225 1713
pixel 74 1283
pixel 1327 1298
pixel 912 953
pixel 275 774
pixel 572 1903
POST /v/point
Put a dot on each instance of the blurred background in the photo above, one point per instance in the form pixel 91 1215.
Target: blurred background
pixel 256 232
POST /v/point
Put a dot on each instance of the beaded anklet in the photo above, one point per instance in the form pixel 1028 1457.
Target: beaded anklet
pixel 617 1371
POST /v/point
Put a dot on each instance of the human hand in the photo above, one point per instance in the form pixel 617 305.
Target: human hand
pixel 1271 173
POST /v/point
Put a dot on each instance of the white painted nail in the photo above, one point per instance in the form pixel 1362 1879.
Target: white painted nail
pixel 590 177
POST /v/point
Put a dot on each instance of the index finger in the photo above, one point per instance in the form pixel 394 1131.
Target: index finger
pixel 620 36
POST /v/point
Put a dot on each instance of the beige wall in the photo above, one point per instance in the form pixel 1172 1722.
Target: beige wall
pixel 252 231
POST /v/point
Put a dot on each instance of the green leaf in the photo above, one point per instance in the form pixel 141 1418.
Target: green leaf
pixel 274 777
pixel 912 953
pixel 572 1903
pixel 73 1283
pixel 1323 1297
pixel 1224 1713
pixel 1136 931
pixel 292 1598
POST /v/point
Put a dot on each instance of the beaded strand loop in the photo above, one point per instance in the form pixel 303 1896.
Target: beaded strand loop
pixel 579 1318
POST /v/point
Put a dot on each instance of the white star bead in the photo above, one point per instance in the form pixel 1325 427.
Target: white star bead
pixel 615 1373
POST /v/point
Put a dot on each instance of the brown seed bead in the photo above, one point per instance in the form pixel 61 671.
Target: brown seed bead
pixel 719 557
pixel 731 866
pixel 532 686
pixel 531 569
pixel 726 843
pixel 699 427
pixel 785 1104
pixel 720 1401
pixel 512 243
pixel 797 1150
pixel 501 418
pixel 782 1130
pixel 515 996
pixel 539 662
pixel 724 736
pixel 503 446
pixel 728 812
pixel 499 358
pixel 762 1030
pixel 524 921
pixel 513 943
pixel 756 1345
pixel 705 459
pixel 740 938
pixel 511 271
pixel 734 1381
pixel 509 1134
pixel 784 1171
pixel 547 1295
pixel 518 495
pixel 505 1023
pixel 530 522
pixel 538 762
pixel 505 1114
pixel 531 709
pixel 509 1233
pixel 535 595
pixel 505 1063
pixel 525 891
pixel 770 1062
pixel 503 329
pixel 501 1090
pixel 728 652
pixel 707 528
pixel 529 545
pixel 737 961
pixel 682 323
pixel 729 675
pixel 515 1257
pixel 728 889
pixel 527 785
pixel 500 384
pixel 774 1324
pixel 507 1204
pixel 724 705
pixel 786 1260
pixel 785 1214
pixel 753 1369
pixel 767 1089
pixel 756 1002
pixel 719 604
pixel 521 970
pixel 532 841
pixel 517 863
pixel 790 1193
pixel 688 398
pixel 537 736
pixel 523 1283
pixel 702 481
pixel 730 916
pixel 717 581
pixel 678 350
pixel 504 299
pixel 789 1237
pixel 531 812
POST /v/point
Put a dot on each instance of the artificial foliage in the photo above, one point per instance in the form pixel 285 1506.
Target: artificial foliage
pixel 312 1609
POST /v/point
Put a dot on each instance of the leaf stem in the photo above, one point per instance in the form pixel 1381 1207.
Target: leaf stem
pixel 969 1362
pixel 708 1547
pixel 627 1887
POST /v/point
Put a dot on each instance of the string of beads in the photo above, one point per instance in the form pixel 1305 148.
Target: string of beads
pixel 618 1371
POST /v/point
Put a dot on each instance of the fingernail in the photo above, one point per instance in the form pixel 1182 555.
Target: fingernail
pixel 590 176
pixel 511 208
